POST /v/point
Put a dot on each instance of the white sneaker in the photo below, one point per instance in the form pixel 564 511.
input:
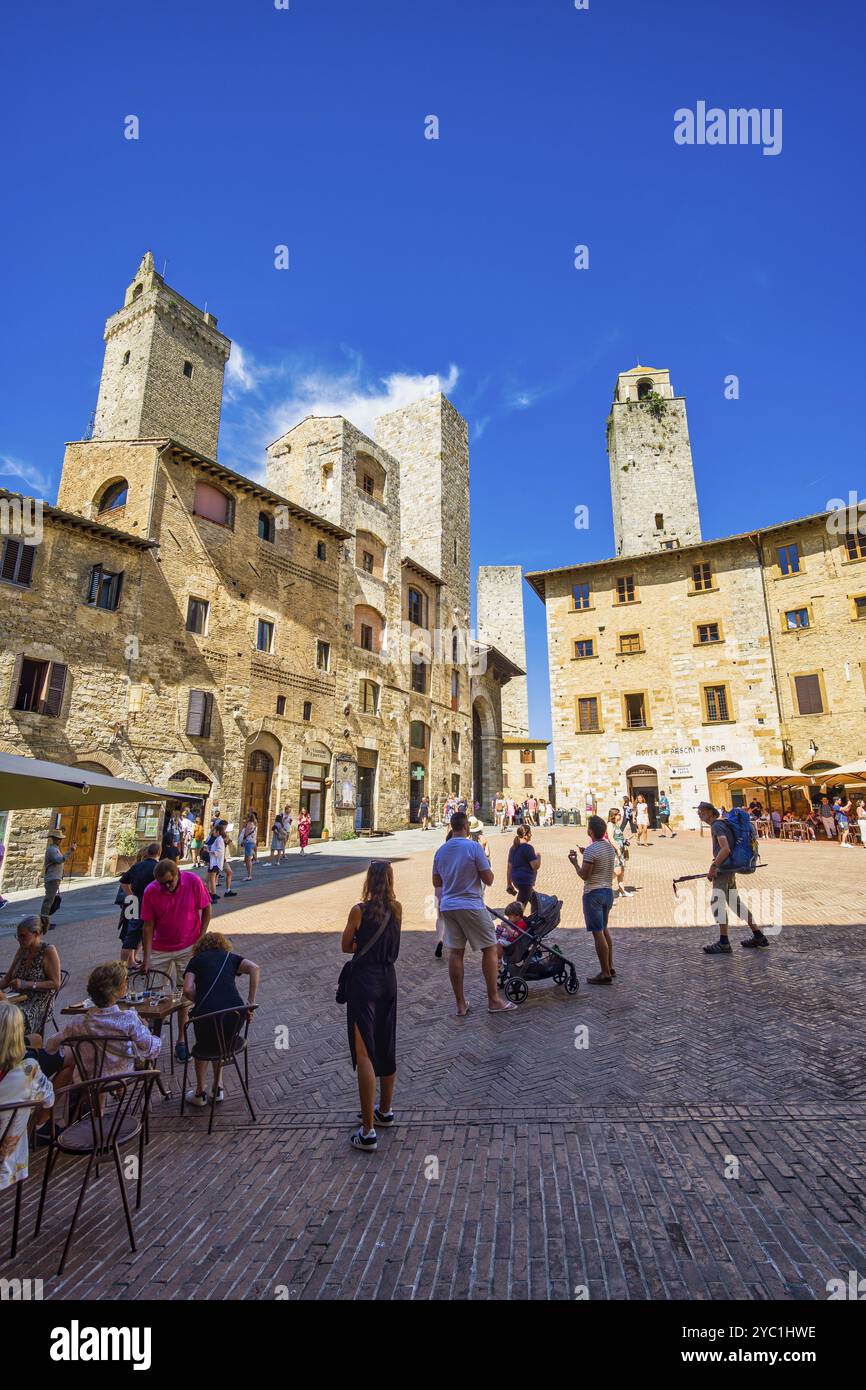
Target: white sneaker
pixel 199 1098
pixel 220 1095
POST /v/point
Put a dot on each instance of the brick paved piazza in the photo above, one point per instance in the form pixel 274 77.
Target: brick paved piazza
pixel 559 1166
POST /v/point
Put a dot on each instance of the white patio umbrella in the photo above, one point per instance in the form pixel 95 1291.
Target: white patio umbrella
pixel 769 779
pixel 848 772
pixel 28 783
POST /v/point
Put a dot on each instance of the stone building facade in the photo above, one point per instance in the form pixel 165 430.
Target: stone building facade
pixel 681 659
pixel 524 768
pixel 244 644
pixel 499 598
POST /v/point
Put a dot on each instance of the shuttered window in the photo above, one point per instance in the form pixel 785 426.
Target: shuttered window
pixel 103 591
pixel 808 690
pixel 16 566
pixel 198 715
pixel 41 686
pixel 587 714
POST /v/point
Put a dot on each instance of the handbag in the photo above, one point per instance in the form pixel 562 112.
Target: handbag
pixel 54 906
pixel 342 995
pixel 120 896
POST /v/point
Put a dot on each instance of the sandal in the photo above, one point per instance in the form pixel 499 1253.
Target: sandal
pixel 600 980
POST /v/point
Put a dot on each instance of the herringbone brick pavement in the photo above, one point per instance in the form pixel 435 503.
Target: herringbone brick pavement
pixel 579 1141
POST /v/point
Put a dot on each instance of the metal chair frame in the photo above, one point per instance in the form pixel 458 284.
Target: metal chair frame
pixel 130 1097
pixel 227 1051
pixel 11 1108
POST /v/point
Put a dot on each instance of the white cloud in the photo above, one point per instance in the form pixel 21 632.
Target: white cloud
pixel 242 373
pixel 27 473
pixel 323 393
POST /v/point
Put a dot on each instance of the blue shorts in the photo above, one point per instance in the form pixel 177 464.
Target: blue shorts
pixel 596 908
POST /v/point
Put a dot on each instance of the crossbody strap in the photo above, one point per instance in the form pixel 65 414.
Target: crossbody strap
pixel 373 939
pixel 214 981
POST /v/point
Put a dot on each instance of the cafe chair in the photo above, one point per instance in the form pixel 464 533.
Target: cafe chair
pixel 115 1107
pixel 227 1030
pixel 47 1014
pixel 139 980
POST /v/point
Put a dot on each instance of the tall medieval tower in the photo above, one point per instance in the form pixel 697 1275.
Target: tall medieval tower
pixel 162 376
pixel 500 623
pixel 652 478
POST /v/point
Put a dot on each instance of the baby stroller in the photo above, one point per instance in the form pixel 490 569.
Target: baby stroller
pixel 528 958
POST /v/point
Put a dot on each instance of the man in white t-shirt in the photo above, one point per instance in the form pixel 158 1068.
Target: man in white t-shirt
pixel 461 870
pixel 596 870
pixel 219 863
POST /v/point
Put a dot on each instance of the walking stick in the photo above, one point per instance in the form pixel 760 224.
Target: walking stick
pixel 687 878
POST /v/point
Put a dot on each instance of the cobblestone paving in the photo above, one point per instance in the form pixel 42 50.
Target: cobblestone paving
pixel 566 1159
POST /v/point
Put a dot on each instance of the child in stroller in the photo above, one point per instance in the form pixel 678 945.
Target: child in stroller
pixel 524 953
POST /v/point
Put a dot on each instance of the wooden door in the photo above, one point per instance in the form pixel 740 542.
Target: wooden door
pixel 257 793
pixel 81 824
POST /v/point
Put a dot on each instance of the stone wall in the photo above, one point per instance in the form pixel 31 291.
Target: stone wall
pixel 499 596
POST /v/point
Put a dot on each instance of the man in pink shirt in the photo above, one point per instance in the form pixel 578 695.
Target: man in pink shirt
pixel 175 912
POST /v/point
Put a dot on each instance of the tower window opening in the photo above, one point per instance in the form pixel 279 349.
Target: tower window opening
pixel 125 362
pixel 644 389
pixel 660 521
pixel 187 370
pixel 138 292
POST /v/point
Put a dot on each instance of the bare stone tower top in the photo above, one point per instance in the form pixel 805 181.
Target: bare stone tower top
pixel 500 623
pixel 162 376
pixel 652 479
pixel 431 440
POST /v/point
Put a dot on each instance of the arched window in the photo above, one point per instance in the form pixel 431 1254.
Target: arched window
pixel 138 292
pixel 369 628
pixel 644 388
pixel 454 646
pixel 213 504
pixel 114 496
pixel 370 477
pixel 266 526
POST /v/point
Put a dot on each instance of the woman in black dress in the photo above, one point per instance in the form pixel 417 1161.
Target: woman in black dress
pixel 372 936
pixel 209 980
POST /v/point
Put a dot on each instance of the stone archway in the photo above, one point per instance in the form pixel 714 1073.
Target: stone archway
pixel 486 756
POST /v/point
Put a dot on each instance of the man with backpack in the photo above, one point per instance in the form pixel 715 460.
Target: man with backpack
pixel 733 848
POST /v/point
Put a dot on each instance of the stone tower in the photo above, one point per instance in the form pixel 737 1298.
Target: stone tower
pixel 500 623
pixel 431 440
pixel 162 376
pixel 652 479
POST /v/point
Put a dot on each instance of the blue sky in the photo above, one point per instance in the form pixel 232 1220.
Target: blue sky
pixel 453 259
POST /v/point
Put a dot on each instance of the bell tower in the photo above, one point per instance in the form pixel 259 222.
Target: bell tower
pixel 652 477
pixel 162 376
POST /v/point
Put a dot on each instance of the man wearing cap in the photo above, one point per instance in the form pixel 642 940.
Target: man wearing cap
pixel 724 894
pixel 52 873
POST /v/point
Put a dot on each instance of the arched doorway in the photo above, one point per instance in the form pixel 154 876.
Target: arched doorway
pixel 722 793
pixel 81 824
pixel 644 781
pixel 257 790
pixel 486 758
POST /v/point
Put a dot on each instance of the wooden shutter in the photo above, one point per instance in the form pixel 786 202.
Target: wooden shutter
pixel 25 564
pixel 206 715
pixel 53 701
pixel 808 694
pixel 93 587
pixel 195 713
pixel 10 559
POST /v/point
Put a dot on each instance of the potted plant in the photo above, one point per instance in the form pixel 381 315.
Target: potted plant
pixel 126 846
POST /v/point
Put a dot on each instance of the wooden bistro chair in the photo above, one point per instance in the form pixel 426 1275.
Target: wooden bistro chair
pixel 11 1130
pixel 115 1107
pixel 230 1028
